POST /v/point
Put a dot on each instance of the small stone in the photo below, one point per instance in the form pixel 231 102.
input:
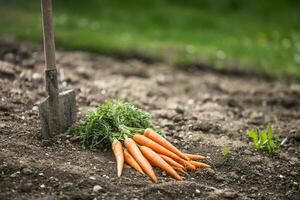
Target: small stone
pixel 294 160
pixel 53 179
pixel 197 191
pixel 67 185
pixel 93 177
pixel 26 171
pixel 97 188
pixel 2 125
pixel 281 176
pixel 37 77
pixel 41 174
pixel 42 186
pixel 15 174
pixel 295 134
pixel 105 176
pixel 230 194
pixel 294 173
pixel 210 172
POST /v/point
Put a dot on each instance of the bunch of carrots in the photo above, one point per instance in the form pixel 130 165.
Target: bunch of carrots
pixel 142 151
pixel 115 122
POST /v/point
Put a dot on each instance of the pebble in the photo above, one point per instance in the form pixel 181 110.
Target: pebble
pixel 2 125
pixel 210 172
pixel 281 176
pixel 15 174
pixel 26 171
pixel 247 152
pixel 197 191
pixel 35 108
pixel 105 176
pixel 53 179
pixel 294 160
pixel 93 177
pixel 294 173
pixel 42 186
pixel 37 77
pixel 67 185
pixel 230 194
pixel 97 188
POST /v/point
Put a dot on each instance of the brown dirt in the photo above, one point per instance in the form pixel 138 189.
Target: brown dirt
pixel 201 111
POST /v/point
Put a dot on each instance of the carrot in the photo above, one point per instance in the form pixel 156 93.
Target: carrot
pixel 132 162
pixel 200 164
pixel 179 169
pixel 141 160
pixel 186 164
pixel 195 156
pixel 163 142
pixel 170 161
pixel 143 140
pixel 158 161
pixel 119 156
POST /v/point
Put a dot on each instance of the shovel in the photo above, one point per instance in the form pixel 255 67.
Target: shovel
pixel 58 111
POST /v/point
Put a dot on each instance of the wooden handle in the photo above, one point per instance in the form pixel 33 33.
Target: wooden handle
pixel 49 46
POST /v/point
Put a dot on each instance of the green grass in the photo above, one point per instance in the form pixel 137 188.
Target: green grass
pixel 261 36
pixel 225 151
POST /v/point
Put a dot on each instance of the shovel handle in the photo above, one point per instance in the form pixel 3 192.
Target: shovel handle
pixel 49 46
pixel 52 109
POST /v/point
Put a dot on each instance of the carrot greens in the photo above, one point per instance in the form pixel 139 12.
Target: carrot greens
pixel 112 120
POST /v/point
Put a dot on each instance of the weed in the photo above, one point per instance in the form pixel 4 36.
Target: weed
pixel 225 151
pixel 264 139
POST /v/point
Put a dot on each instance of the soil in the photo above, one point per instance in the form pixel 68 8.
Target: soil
pixel 201 111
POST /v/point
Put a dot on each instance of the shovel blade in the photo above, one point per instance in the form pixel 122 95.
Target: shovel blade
pixel 66 114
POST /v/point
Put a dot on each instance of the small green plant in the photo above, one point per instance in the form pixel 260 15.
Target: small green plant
pixel 264 139
pixel 225 151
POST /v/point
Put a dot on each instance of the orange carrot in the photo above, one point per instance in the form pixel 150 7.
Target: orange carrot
pixel 163 142
pixel 199 164
pixel 141 160
pixel 195 156
pixel 143 140
pixel 179 169
pixel 119 156
pixel 158 161
pixel 170 161
pixel 132 162
pixel 186 164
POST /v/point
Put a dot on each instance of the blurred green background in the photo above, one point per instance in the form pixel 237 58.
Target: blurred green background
pixel 261 36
